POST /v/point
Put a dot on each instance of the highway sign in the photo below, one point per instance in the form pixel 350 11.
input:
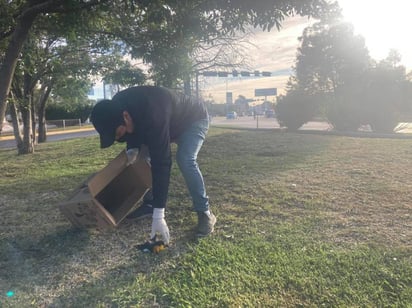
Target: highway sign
pixel 266 92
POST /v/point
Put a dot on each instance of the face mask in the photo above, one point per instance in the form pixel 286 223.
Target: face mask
pixel 123 138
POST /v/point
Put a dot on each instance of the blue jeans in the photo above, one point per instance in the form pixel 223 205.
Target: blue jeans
pixel 188 146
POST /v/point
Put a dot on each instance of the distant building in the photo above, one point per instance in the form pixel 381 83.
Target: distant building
pixel 102 91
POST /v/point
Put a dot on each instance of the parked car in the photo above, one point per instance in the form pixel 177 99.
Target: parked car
pixel 231 115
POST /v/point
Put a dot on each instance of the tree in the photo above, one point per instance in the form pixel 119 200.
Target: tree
pixel 52 62
pixel 334 67
pixel 55 56
pixel 125 75
pixel 169 35
pixel 330 63
pixel 330 56
pixel 406 108
pixel 23 85
pixel 161 32
pixel 17 19
pixel 383 94
pixel 296 108
pixel 242 105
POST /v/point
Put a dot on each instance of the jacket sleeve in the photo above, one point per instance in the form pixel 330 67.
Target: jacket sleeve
pixel 158 141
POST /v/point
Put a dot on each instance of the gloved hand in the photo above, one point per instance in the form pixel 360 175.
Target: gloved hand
pixel 132 155
pixel 159 225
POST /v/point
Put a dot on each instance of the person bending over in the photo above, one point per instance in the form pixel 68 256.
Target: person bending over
pixel 156 117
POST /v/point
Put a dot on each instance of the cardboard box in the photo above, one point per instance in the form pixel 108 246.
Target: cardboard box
pixel 106 198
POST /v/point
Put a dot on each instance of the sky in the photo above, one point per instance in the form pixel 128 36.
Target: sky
pixel 384 25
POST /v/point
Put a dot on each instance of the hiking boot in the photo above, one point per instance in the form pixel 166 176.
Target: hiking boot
pixel 145 210
pixel 205 224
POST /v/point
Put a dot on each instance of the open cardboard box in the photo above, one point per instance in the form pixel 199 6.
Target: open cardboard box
pixel 106 198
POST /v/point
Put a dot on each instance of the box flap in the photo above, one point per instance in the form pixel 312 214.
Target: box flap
pixel 143 170
pixel 102 178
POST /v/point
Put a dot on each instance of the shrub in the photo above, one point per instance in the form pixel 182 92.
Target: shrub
pixel 69 111
pixel 382 117
pixel 295 109
pixel 383 99
pixel 344 115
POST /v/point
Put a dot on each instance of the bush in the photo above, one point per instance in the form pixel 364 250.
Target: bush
pixel 69 111
pixel 295 109
pixel 344 115
pixel 383 100
pixel 346 106
pixel 382 117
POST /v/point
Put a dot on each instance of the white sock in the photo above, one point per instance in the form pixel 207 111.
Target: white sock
pixel 207 213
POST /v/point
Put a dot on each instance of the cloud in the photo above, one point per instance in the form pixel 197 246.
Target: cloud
pixel 273 51
pixel 277 49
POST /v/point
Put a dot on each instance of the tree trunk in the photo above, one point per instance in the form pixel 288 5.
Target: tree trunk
pixel 33 119
pixel 187 87
pixel 44 95
pixel 10 59
pixel 27 146
pixel 26 109
pixel 16 125
pixel 42 130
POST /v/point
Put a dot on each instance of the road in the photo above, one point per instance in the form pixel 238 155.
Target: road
pixel 9 142
pixel 264 123
pixel 403 129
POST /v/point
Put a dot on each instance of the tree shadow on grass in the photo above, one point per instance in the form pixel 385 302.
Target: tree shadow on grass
pixel 125 285
pixel 28 262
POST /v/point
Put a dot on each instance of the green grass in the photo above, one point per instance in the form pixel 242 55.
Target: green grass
pixel 303 221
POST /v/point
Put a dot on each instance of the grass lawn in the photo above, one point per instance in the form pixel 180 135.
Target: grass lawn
pixel 303 221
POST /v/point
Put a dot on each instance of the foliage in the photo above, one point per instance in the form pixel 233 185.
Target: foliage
pixel 126 75
pixel 61 62
pixel 70 110
pixel 344 109
pixel 330 55
pixel 216 109
pixel 163 33
pixel 167 35
pixel 241 104
pixel 329 63
pixel 334 62
pixel 296 108
pixel 18 22
pixel 383 96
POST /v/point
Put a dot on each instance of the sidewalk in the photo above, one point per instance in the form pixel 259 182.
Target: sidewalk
pixel 10 136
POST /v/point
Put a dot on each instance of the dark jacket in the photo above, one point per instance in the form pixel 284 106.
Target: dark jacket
pixel 160 116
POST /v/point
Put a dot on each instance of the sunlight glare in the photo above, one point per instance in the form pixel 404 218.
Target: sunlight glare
pixel 383 24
